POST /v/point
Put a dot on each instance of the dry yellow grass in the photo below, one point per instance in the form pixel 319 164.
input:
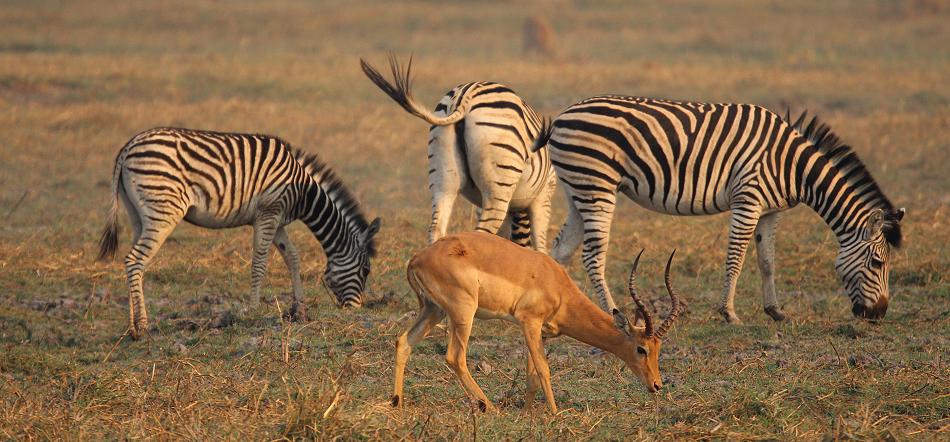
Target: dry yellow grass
pixel 77 79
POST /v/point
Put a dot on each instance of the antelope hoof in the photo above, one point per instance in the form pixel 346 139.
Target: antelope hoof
pixel 775 313
pixel 729 316
pixel 396 401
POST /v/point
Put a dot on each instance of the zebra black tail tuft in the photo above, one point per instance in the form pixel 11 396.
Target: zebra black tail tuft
pixel 401 92
pixel 109 240
pixel 544 134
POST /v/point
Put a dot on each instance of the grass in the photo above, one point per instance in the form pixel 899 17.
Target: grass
pixel 78 79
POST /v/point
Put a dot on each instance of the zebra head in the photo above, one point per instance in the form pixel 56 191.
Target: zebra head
pixel 862 263
pixel 346 274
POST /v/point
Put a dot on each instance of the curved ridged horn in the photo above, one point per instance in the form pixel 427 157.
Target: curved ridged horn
pixel 674 299
pixel 631 285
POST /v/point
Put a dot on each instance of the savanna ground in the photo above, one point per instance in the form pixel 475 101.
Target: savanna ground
pixel 77 79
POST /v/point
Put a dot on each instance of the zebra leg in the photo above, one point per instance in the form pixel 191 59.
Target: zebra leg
pixel 135 219
pixel 765 254
pixel 597 221
pixel 494 207
pixel 571 234
pixel 154 232
pixel 292 259
pixel 442 204
pixel 506 226
pixel 519 228
pixel 265 229
pixel 741 226
pixel 446 174
pixel 540 216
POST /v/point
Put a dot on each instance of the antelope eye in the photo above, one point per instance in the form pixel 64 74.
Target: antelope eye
pixel 642 350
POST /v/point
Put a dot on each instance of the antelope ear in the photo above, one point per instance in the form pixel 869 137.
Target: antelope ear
pixel 637 317
pixel 875 224
pixel 620 321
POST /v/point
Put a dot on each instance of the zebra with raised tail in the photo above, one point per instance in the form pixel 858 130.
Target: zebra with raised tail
pixel 685 158
pixel 480 146
pixel 220 180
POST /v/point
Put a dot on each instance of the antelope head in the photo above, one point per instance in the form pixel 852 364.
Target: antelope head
pixel 641 354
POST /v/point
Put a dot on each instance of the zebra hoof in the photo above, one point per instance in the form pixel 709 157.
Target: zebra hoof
pixel 296 314
pixel 729 316
pixel 775 313
pixel 138 331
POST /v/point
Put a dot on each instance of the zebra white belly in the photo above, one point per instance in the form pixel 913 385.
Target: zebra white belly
pixel 208 214
pixel 670 206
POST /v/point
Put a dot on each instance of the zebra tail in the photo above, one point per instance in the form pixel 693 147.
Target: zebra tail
pixel 544 134
pixel 109 240
pixel 401 92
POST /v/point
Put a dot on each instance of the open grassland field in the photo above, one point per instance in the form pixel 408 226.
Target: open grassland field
pixel 79 78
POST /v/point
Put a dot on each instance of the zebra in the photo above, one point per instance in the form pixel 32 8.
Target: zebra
pixel 219 180
pixel 685 158
pixel 479 146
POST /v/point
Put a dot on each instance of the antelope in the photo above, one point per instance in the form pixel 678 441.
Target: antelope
pixel 478 275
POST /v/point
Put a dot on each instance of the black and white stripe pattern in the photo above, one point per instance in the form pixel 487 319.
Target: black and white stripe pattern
pixel 480 146
pixel 685 158
pixel 220 180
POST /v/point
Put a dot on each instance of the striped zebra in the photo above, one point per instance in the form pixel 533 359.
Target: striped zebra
pixel 480 146
pixel 685 158
pixel 219 180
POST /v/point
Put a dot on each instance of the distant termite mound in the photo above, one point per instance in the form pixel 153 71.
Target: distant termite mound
pixel 539 38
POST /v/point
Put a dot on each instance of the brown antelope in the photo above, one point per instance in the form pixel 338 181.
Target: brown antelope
pixel 477 275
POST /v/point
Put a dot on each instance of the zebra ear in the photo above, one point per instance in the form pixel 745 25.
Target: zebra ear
pixel 875 224
pixel 370 232
pixel 897 215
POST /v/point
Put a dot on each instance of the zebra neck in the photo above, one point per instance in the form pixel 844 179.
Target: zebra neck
pixel 327 222
pixel 841 203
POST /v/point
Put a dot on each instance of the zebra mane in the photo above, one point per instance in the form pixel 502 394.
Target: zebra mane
pixel 843 158
pixel 342 198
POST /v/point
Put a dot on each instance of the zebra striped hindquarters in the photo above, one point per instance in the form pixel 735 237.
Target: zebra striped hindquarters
pixel 479 146
pixel 220 180
pixel 685 158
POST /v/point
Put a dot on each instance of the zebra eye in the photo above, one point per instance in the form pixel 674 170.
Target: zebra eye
pixel 876 263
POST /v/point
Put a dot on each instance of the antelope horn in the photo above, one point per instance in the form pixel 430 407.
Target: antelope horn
pixel 631 285
pixel 674 299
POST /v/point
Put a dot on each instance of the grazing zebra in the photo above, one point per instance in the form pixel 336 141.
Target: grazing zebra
pixel 218 180
pixel 685 158
pixel 479 146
